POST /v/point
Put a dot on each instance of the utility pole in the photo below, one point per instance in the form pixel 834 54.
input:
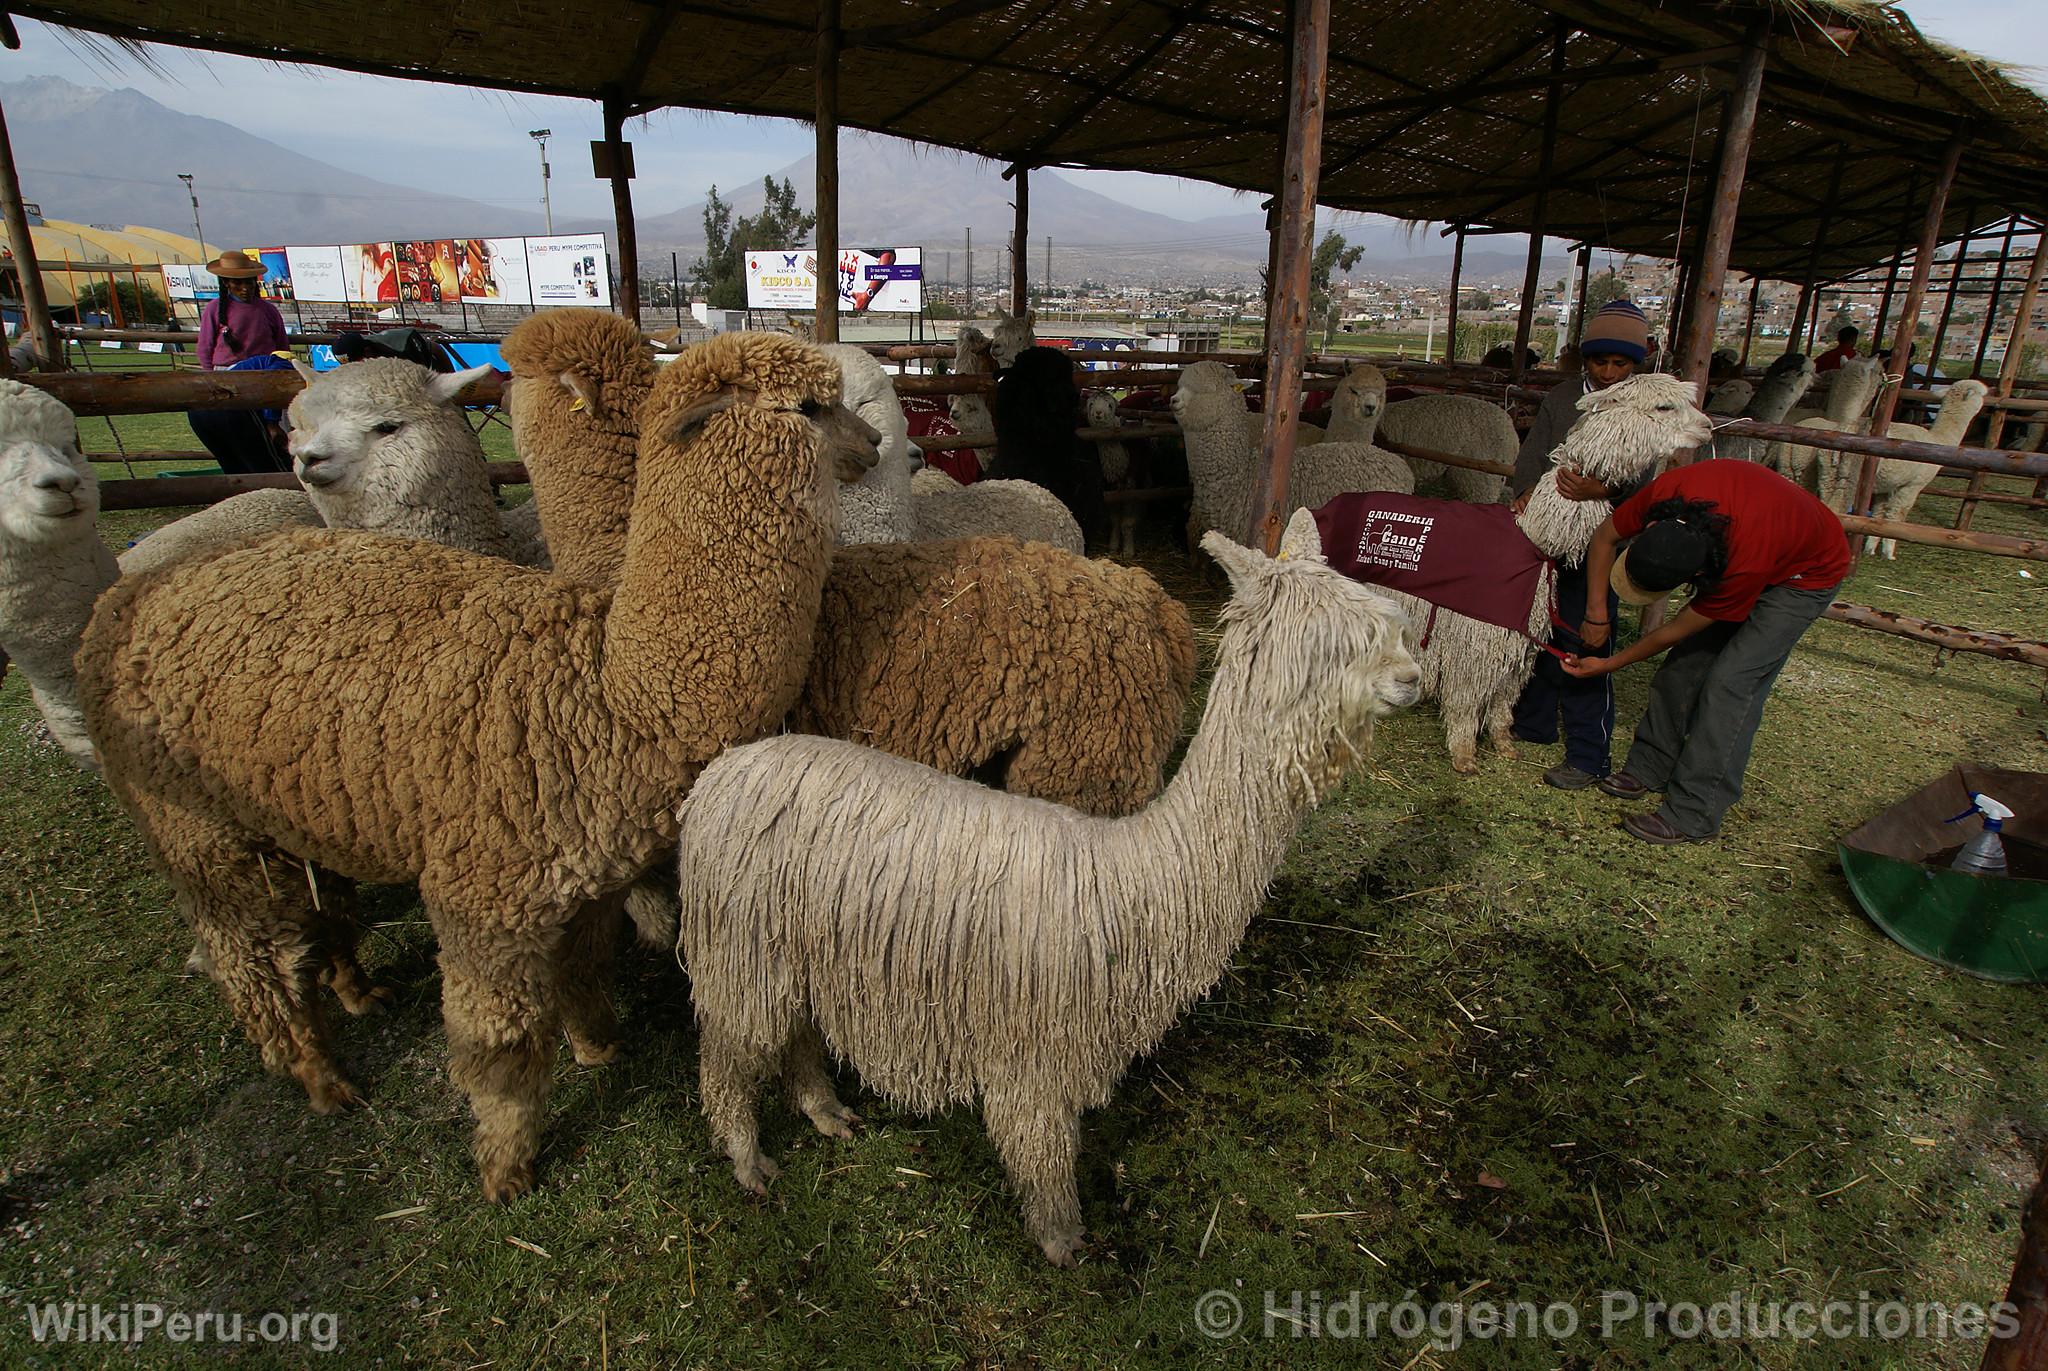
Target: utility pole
pixel 198 233
pixel 1048 266
pixel 541 137
pixel 968 311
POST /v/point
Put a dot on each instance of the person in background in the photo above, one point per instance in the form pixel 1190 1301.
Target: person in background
pixel 238 323
pixel 1763 558
pixel 1844 350
pixel 1611 351
pixel 240 331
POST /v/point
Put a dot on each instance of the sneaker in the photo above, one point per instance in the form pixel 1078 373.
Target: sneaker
pixel 1565 776
pixel 1623 786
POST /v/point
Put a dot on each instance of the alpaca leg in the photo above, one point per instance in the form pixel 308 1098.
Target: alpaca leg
pixel 340 930
pixel 588 951
pixel 730 1072
pixel 1461 734
pixel 498 1001
pixel 256 940
pixel 810 1088
pixel 651 907
pixel 1037 1140
pixel 1500 718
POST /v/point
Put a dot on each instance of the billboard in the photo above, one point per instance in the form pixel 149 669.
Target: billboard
pixel 277 273
pixel 569 270
pixel 183 281
pixel 493 271
pixel 427 273
pixel 316 273
pixel 370 272
pixel 883 281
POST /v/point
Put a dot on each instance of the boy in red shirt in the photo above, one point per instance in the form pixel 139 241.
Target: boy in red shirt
pixel 1764 558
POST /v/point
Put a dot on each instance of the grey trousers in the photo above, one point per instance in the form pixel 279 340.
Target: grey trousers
pixel 1706 703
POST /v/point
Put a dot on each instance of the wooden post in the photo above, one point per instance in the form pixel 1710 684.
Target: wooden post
pixel 1990 320
pixel 1540 219
pixel 1795 339
pixel 2008 371
pixel 1948 308
pixel 1457 269
pixel 1020 278
pixel 1909 319
pixel 1585 283
pixel 1891 277
pixel 1309 69
pixel 2027 1294
pixel 35 301
pixel 1756 284
pixel 826 327
pixel 622 209
pixel 1809 298
pixel 1703 308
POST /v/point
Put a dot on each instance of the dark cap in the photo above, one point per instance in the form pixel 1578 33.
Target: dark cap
pixel 1665 555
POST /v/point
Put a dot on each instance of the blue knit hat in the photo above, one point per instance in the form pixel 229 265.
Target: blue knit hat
pixel 1620 330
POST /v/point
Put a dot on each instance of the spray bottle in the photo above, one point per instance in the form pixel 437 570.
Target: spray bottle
pixel 1983 855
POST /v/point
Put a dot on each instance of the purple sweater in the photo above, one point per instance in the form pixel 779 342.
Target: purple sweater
pixel 252 329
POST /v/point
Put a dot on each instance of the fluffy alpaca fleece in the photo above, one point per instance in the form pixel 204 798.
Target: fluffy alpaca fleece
pixel 1462 424
pixel 510 741
pixel 876 508
pixel 956 944
pixel 1086 718
pixel 1787 379
pixel 943 508
pixel 1011 338
pixel 52 562
pixel 1476 670
pixel 1849 398
pixel 238 519
pixel 1100 411
pixel 1899 482
pixel 970 413
pixel 1223 441
pixel 579 380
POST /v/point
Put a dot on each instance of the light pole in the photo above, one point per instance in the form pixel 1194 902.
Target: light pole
pixel 186 177
pixel 541 137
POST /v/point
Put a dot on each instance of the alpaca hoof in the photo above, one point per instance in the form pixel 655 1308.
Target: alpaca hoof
pixel 1503 747
pixel 197 963
pixel 504 1184
pixel 754 1173
pixel 1062 1249
pixel 378 999
pixel 332 1095
pixel 594 1054
pixel 1465 766
pixel 833 1120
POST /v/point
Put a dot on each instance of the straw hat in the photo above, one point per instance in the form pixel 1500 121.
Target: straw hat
pixel 235 265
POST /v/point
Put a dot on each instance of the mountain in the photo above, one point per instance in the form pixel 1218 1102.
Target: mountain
pixel 112 157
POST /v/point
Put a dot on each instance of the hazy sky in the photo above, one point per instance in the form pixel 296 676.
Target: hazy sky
pixel 475 144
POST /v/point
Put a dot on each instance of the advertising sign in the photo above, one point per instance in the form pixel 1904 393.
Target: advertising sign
pixel 884 281
pixel 427 273
pixel 185 282
pixel 316 273
pixel 493 271
pixel 277 274
pixel 370 272
pixel 569 270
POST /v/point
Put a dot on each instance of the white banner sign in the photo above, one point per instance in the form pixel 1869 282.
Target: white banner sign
pixel 493 271
pixel 316 273
pixel 569 270
pixel 186 282
pixel 885 281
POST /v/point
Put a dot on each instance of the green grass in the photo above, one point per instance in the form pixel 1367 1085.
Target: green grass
pixel 1690 1071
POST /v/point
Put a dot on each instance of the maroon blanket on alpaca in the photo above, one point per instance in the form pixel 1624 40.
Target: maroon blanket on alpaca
pixel 1470 558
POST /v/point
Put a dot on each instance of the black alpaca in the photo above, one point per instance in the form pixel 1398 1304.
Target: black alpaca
pixel 1037 408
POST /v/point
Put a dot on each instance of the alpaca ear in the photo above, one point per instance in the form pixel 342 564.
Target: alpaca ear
pixel 306 373
pixel 1242 565
pixel 680 428
pixel 585 391
pixel 1303 541
pixel 1030 317
pixel 445 386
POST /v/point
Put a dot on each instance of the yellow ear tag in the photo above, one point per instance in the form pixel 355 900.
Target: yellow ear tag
pixel 576 404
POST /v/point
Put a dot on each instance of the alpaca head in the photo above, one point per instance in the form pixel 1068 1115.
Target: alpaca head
pixel 1012 335
pixel 1206 396
pixel 359 433
pixel 1101 410
pixel 1785 381
pixel 47 490
pixel 1855 386
pixel 1327 656
pixel 741 395
pixel 1622 434
pixel 1358 399
pixel 970 352
pixel 865 388
pixel 589 363
pixel 1958 408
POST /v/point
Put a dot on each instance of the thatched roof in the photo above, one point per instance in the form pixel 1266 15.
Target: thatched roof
pixel 1435 111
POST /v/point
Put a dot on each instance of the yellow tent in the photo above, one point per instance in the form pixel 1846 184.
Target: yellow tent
pixel 59 243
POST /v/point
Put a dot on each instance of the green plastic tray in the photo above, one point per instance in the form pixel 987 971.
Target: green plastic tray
pixel 1992 927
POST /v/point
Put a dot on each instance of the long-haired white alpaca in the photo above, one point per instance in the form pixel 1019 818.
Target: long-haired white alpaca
pixel 956 943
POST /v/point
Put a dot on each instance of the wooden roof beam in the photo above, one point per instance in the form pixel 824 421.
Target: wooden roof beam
pixel 1175 27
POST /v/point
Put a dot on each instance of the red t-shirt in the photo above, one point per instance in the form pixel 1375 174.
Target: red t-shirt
pixel 1834 357
pixel 1778 535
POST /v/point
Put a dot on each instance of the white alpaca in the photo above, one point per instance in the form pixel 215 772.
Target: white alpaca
pixel 894 504
pixel 956 944
pixel 1011 335
pixel 1899 482
pixel 1475 670
pixel 1223 442
pixel 1731 397
pixel 1463 425
pixel 1116 470
pixel 52 562
pixel 970 412
pixel 1849 398
pixel 1785 381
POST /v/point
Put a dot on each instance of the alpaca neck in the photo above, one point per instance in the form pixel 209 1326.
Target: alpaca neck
pixel 1952 420
pixel 1847 404
pixel 1771 404
pixel 583 482
pixel 46 599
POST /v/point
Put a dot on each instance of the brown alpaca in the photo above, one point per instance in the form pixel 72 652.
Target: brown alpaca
pixel 512 742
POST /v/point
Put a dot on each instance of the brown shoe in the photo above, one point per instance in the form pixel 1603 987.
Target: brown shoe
pixel 1623 786
pixel 1565 776
pixel 1655 828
